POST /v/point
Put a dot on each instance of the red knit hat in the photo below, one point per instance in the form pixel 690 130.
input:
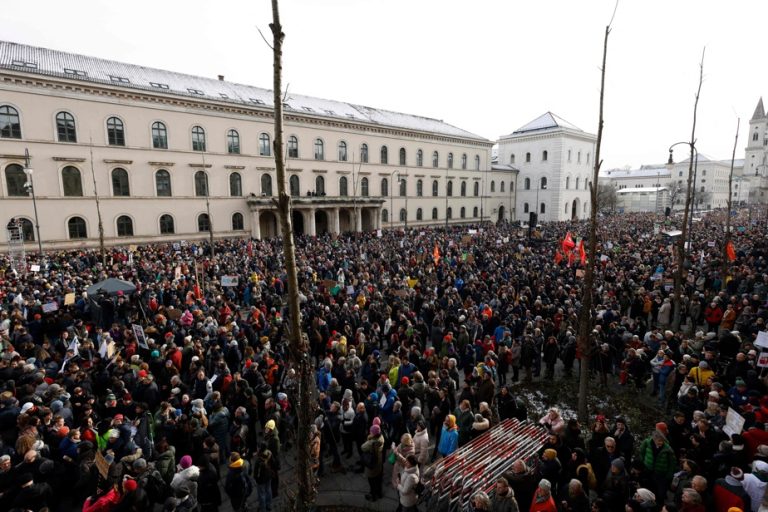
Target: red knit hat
pixel 130 485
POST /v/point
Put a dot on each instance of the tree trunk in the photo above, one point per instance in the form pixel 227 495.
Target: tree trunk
pixel 298 345
pixel 585 314
pixel 723 284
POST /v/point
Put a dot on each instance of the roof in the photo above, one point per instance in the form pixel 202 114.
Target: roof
pixel 759 110
pixel 547 121
pixel 504 167
pixel 53 63
pixel 644 172
pixel 640 189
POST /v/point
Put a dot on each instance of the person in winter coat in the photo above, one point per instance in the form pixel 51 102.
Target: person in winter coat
pixel 542 498
pixel 347 419
pixel 421 444
pixel 166 460
pixel 755 483
pixel 373 470
pixel 273 445
pixel 615 485
pixel 263 472
pixel 208 492
pixel 401 451
pixel 504 497
pixel 522 482
pixel 729 492
pixel 553 421
pixel 105 500
pixel 659 461
pixel 186 476
pixel 238 483
pixel 449 436
pixel 406 484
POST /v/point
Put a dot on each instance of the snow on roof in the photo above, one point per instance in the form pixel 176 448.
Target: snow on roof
pixel 43 61
pixel 640 189
pixel 504 167
pixel 644 172
pixel 545 122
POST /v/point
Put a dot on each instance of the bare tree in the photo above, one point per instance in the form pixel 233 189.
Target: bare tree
pixel 606 197
pixel 724 281
pixel 675 189
pixel 298 345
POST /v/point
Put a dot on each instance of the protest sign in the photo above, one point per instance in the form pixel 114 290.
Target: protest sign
pixel 762 360
pixel 229 281
pixel 762 339
pixel 734 422
pixel 69 299
pixel 138 331
pixel 50 307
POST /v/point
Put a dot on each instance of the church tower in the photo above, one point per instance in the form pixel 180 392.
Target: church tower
pixel 756 156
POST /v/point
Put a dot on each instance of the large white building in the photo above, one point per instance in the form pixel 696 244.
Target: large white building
pixel 555 163
pixel 756 155
pixel 168 153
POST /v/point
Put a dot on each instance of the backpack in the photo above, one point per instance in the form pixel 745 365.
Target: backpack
pixel 157 490
pixel 592 479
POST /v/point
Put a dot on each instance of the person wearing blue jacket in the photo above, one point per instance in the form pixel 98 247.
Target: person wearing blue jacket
pixel 449 437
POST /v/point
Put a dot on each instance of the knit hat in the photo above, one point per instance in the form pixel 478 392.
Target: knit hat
pixel 618 463
pixel 270 425
pixel 130 485
pixel 185 462
pixel 375 430
pixel 737 473
pixel 405 381
pixel 376 421
pixel 662 427
pixel 740 382
pixel 139 464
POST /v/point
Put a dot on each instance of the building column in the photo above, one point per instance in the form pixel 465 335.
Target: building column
pixel 312 228
pixel 334 227
pixel 359 219
pixel 255 225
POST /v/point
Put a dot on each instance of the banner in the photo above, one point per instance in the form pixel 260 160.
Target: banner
pixel 229 281
pixel 138 331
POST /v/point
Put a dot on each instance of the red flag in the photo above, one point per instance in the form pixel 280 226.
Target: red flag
pixel 570 258
pixel 436 255
pixel 568 243
pixel 250 248
pixel 582 252
pixel 730 251
pixel 558 257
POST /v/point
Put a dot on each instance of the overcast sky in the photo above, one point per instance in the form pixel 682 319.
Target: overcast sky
pixel 487 66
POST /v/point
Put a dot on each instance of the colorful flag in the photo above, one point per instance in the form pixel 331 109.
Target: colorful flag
pixel 582 252
pixel 436 255
pixel 730 251
pixel 250 248
pixel 568 243
pixel 558 257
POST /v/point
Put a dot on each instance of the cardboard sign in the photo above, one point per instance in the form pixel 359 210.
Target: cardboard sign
pixel 401 293
pixel 762 360
pixel 34 268
pixel 69 299
pixel 762 339
pixel 177 273
pixel 710 244
pixel 132 248
pixel 378 233
pixel 50 307
pixel 102 465
pixel 229 281
pixel 138 331
pixel 580 272
pixel 734 422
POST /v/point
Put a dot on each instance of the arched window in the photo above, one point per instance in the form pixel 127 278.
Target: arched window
pixel 364 153
pixel 237 222
pixel 463 189
pixel 76 228
pixel 203 222
pixel 464 161
pixel 450 160
pixel 434 213
pixel 511 186
pixel 501 186
pixel 476 187
pixel 578 179
pixel 449 189
pixel 527 184
pixel 233 142
pixel 384 215
pixel 293 147
pixel 402 156
pixel 543 183
pixel 435 159
pixel 527 157
pixel 384 187
pixel 435 188
pixel 167 225
pixel 201 184
pixel 265 145
pixel 293 184
pixel 120 185
pixel 235 185
pixel 266 185
pixel 65 127
pixel 419 158
pixel 364 187
pixel 403 215
pixel 124 226
pixel 10 123
pixel 115 132
pixel 71 182
pixel 543 208
pixel 198 138
pixel 566 207
pixel 544 155
pixel 419 188
pixel 15 179
pixel 384 155
pixel 343 190
pixel 27 229
pixel 449 213
pixel 159 135
pixel 512 158
pixel 319 149
pixel 477 162
pixel 419 214
pixel 403 187
pixel 320 186
pixel 342 151
pixel 567 182
pixel 163 183
pixel 463 213
pixel 493 186
pixel 474 211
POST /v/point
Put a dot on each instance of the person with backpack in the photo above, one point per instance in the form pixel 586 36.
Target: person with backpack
pixel 263 473
pixel 372 457
pixel 238 483
pixel 150 479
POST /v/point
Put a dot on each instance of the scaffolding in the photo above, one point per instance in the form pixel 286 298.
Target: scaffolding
pixel 17 255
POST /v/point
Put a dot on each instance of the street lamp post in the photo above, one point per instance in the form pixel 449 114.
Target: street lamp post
pixel 446 205
pixel 30 187
pixel 391 197
pixel 542 186
pixel 687 226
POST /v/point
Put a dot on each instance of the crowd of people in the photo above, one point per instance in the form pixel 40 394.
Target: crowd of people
pixel 181 395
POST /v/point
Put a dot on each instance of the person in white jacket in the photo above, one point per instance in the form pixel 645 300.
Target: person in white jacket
pixel 406 485
pixel 421 444
pixel 347 418
pixel 755 483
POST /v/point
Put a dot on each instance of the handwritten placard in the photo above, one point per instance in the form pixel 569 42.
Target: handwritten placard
pixel 69 299
pixel 230 281
pixel 50 307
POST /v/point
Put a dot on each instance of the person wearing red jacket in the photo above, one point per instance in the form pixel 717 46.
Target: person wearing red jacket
pixel 542 498
pixel 106 500
pixel 713 315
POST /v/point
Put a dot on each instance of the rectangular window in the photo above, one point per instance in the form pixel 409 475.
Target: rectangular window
pixel 157 85
pixel 74 72
pixel 119 79
pixel 256 101
pixel 196 91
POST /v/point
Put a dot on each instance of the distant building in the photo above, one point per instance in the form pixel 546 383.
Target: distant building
pixel 756 156
pixel 650 199
pixel 555 163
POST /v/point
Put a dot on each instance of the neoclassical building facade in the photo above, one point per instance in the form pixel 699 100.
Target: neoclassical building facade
pixel 162 156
